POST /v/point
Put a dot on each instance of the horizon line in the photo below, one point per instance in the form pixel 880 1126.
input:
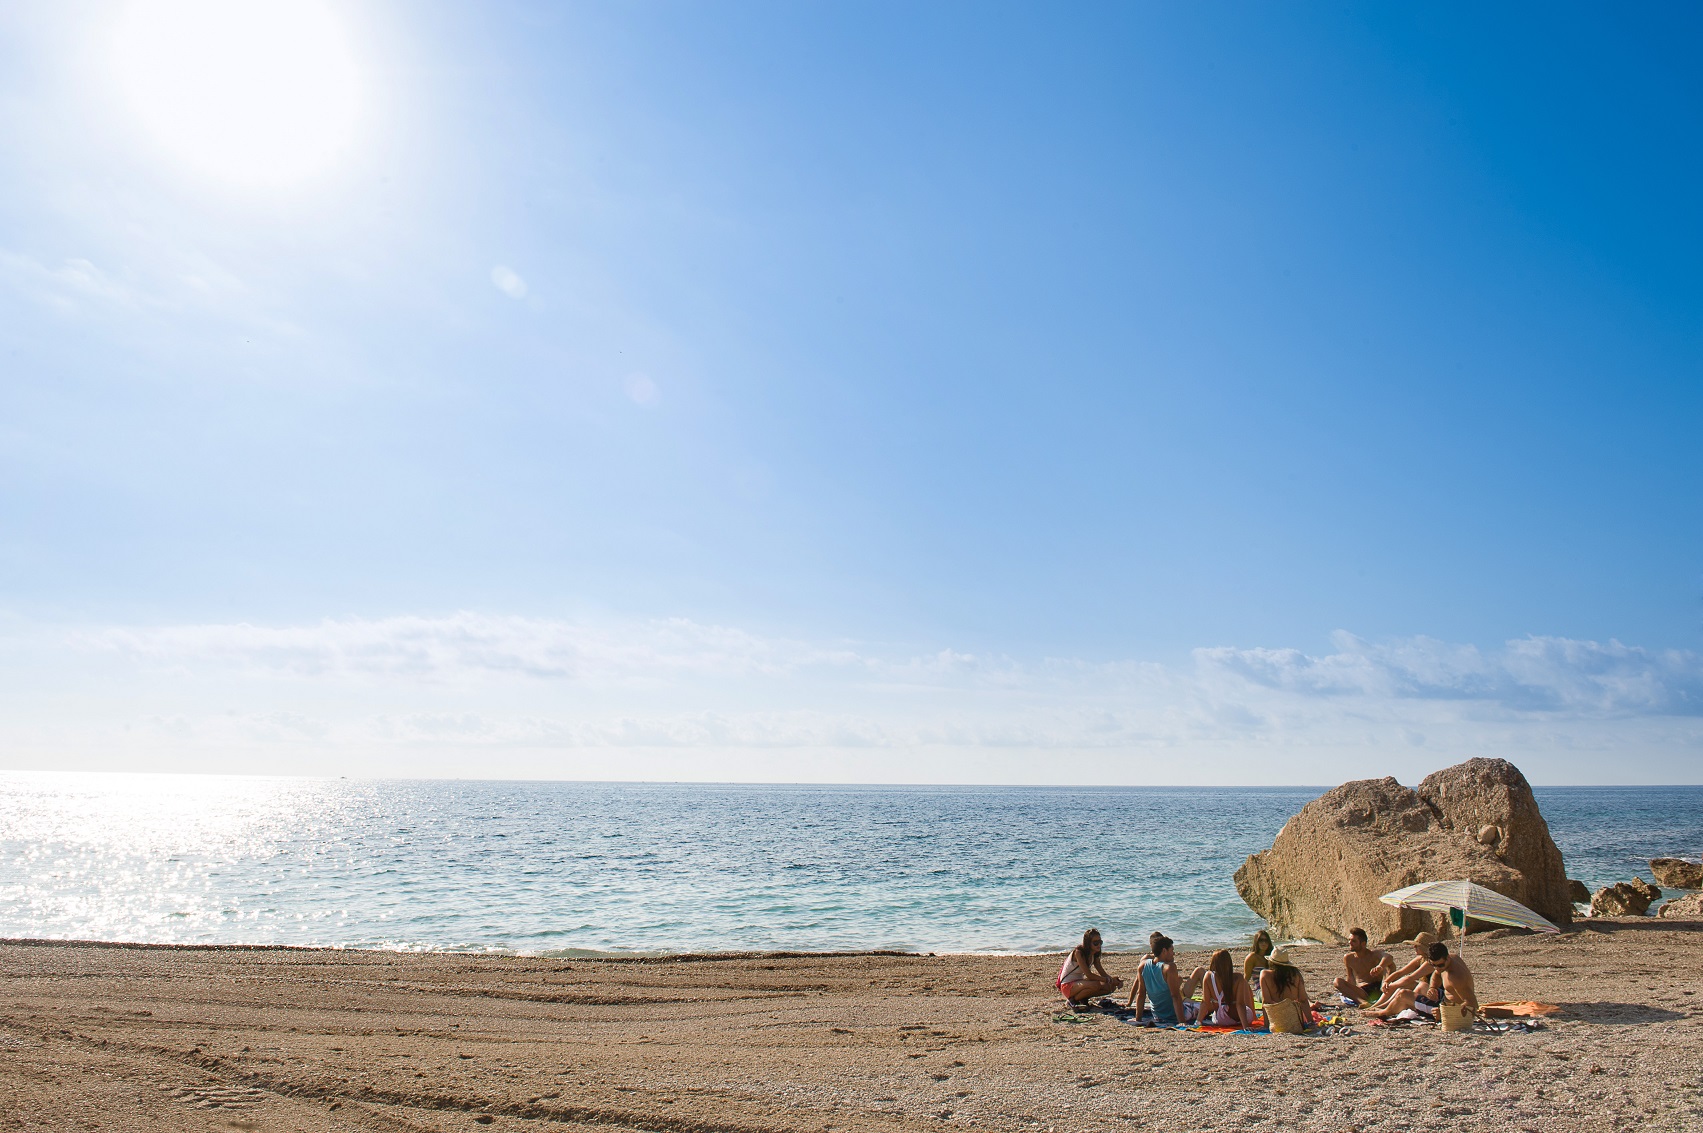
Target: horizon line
pixel 799 783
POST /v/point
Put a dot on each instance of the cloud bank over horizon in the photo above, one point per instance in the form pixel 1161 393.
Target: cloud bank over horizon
pixel 473 694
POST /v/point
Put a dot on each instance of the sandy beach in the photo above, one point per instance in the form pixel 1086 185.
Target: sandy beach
pixel 163 1038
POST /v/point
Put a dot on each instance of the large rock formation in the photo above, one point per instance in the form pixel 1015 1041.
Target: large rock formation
pixel 1330 863
pixel 1688 907
pixel 1492 793
pixel 1624 899
pixel 1677 873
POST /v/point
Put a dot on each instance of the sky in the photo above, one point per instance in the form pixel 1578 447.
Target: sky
pixel 851 392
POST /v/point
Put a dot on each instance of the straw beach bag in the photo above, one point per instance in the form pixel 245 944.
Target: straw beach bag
pixel 1284 1017
pixel 1456 1018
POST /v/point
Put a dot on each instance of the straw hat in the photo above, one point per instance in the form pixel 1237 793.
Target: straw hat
pixel 1283 956
pixel 1423 942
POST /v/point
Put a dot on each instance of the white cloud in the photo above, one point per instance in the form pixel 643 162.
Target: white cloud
pixel 544 696
pixel 465 646
pixel 1534 674
pixel 74 280
pixel 642 390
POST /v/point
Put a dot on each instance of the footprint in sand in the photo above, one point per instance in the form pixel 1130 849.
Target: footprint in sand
pixel 216 1097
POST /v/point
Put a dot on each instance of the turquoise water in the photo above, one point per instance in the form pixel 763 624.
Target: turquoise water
pixel 565 867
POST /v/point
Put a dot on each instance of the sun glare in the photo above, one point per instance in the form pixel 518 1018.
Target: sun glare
pixel 256 92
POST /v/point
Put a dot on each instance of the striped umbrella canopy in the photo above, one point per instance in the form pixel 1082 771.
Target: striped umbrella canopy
pixel 1472 900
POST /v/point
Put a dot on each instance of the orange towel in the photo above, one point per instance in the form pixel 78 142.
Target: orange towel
pixel 1526 1009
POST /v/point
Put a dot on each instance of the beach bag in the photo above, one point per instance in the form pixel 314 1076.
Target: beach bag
pixel 1456 1018
pixel 1284 1017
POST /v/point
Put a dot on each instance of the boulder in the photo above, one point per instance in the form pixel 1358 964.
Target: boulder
pixel 1624 899
pixel 1576 890
pixel 1329 864
pixel 1688 907
pixel 1484 792
pixel 1677 873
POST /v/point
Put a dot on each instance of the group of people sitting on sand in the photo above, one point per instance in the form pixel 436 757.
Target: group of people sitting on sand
pixel 1373 981
pixel 1433 977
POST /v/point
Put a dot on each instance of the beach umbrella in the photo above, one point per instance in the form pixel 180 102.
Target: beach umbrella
pixel 1463 899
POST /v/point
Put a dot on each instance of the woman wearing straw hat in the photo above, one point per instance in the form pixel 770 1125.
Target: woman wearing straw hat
pixel 1283 980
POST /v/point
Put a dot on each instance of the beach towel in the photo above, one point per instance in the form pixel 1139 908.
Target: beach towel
pixel 1504 1026
pixel 1525 1009
pixel 1226 1030
pixel 1081 1012
pixel 1316 1027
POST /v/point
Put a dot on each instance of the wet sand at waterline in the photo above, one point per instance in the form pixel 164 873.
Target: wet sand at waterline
pixel 141 1039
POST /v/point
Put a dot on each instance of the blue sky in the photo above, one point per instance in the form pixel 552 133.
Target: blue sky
pixel 949 392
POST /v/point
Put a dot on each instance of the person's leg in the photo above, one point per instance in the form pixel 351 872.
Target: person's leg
pixel 1082 990
pixel 1393 1004
pixel 1348 987
pixel 1192 984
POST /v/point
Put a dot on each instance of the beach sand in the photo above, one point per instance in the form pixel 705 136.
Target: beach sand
pixel 140 1039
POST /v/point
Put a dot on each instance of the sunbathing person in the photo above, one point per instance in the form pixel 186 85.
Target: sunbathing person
pixel 1259 959
pixel 1447 979
pixel 1226 998
pixel 1414 972
pixel 1158 983
pixel 1367 968
pixel 1283 980
pixel 1084 973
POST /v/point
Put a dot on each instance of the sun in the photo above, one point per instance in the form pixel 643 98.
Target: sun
pixel 262 93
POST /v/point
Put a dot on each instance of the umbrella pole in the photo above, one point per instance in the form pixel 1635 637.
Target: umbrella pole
pixel 1466 914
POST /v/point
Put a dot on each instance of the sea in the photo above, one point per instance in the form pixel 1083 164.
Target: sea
pixel 582 869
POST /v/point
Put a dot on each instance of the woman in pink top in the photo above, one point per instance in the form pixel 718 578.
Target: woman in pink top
pixel 1084 975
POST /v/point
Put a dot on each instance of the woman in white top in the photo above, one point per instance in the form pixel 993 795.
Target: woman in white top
pixel 1226 998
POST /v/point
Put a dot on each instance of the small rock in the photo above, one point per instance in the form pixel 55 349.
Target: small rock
pixel 1687 908
pixel 1576 889
pixel 1677 873
pixel 1489 835
pixel 1624 899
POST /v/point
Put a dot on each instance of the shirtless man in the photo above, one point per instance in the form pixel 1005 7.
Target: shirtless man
pixel 1458 985
pixel 1445 979
pixel 1367 969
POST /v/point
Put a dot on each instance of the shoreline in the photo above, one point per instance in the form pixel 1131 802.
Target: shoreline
pixel 590 956
pixel 210 1039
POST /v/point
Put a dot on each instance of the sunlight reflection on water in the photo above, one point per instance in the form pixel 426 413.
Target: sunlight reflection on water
pixel 599 867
